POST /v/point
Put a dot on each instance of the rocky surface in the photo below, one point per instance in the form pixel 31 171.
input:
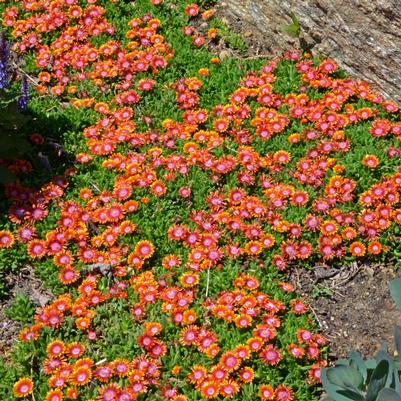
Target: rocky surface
pixel 363 36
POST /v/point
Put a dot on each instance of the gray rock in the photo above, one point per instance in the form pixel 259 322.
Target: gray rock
pixel 363 36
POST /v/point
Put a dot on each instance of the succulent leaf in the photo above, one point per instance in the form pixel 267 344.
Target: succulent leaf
pixel 351 395
pixel 378 380
pixel 380 356
pixel 332 389
pixel 395 291
pixel 397 338
pixel 345 376
pixel 388 394
pixel 359 363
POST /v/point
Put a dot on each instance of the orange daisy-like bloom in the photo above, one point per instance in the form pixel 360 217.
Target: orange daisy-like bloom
pixel 294 138
pixel 198 374
pixel 299 198
pixel 55 349
pixel 23 387
pixel 220 124
pixel 243 321
pixel 81 376
pixel 204 71
pixel 255 343
pixel 243 351
pixel 153 328
pixel 54 395
pixel 191 10
pixel 189 317
pixel 179 397
pixel 230 361
pixel 63 259
pixel 28 334
pixel 121 367
pixel 211 351
pixel 270 355
pixel 229 388
pixel 210 389
pixel 130 206
pixel 281 157
pixel 208 14
pixel 348 233
pixel 375 247
pixel 283 393
pixel 171 261
pixel 6 239
pixel 189 279
pixel 246 374
pixel 72 393
pixel 75 350
pixel 329 227
pixel 57 380
pixel 370 161
pixel 82 323
pixel 36 248
pixel 158 188
pixel 253 248
pixel 266 392
pixel 357 249
pixel 295 350
pixel 144 249
pixel 68 275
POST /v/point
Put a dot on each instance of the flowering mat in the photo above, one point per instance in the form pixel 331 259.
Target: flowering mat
pixel 185 189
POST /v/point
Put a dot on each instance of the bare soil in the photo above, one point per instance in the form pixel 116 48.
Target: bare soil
pixel 23 282
pixel 352 306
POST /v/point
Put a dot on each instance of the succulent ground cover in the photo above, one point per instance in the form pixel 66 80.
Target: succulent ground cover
pixel 189 187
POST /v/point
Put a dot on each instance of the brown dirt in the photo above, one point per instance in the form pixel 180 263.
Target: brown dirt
pixel 22 282
pixel 352 305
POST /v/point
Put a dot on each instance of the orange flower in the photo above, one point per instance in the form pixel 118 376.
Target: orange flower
pixel 203 72
pixel 189 279
pixel 23 387
pixel 253 248
pixel 266 392
pixel 81 376
pixel 281 157
pixel 209 389
pixel 370 161
pixel 75 350
pixel 374 247
pixel 55 349
pixel 348 233
pixel 198 374
pixel 208 14
pixel 54 395
pixel 82 323
pixel 294 138
pixel 270 355
pixel 242 321
pixel 357 249
pixel 283 393
pixel 191 10
pixel 144 249
pixel 176 370
pixel 6 239
pixel 158 188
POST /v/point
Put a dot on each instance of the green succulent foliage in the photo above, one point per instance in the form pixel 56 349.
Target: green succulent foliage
pixel 293 29
pixel 378 379
pixel 21 310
